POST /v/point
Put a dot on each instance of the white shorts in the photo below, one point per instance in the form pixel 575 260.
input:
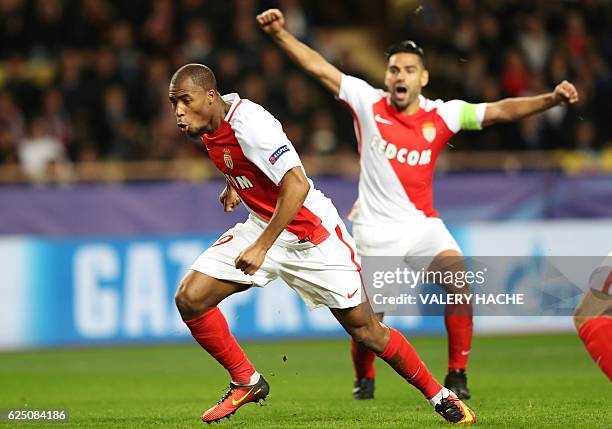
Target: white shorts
pixel 421 237
pixel 417 243
pixel 326 274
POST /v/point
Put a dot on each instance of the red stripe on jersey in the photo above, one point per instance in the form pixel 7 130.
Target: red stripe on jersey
pixel 411 156
pixel 260 194
pixel 305 225
pixel 234 111
pixel 339 234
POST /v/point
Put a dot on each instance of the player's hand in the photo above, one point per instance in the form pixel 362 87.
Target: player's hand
pixel 271 21
pixel 251 258
pixel 229 198
pixel 565 93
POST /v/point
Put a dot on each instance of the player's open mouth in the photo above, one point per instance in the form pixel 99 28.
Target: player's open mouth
pixel 183 127
pixel 401 91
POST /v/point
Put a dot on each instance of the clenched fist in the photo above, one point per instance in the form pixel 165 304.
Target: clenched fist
pixel 251 258
pixel 229 198
pixel 565 93
pixel 271 21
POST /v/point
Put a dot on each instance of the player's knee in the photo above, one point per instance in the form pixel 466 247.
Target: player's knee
pixel 579 320
pixel 366 335
pixel 360 334
pixel 186 299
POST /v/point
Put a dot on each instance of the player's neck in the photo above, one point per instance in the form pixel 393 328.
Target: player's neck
pixel 219 117
pixel 410 109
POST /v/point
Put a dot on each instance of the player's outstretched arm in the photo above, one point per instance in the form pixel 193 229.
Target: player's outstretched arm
pixel 512 109
pixel 294 188
pixel 272 22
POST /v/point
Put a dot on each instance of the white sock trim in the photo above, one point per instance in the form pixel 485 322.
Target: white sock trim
pixel 443 393
pixel 253 380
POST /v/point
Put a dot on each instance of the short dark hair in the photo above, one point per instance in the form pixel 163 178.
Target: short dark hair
pixel 408 47
pixel 200 74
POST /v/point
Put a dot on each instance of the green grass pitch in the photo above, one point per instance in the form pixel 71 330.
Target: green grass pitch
pixel 544 381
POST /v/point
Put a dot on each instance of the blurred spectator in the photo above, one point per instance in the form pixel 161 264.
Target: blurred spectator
pixel 41 156
pixel 56 118
pixel 124 49
pixel 157 30
pixel 95 72
pixel 534 42
pixel 198 43
pixel 123 137
pixel 45 32
pixel 11 117
pixel 514 75
pixel 13 21
pixel 295 18
pixel 228 69
pixel 323 140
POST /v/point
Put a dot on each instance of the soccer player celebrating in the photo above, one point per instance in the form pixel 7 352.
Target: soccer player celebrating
pixel 293 232
pixel 593 317
pixel 400 135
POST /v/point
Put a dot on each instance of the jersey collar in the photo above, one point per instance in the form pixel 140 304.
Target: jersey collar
pixel 234 99
pixel 406 119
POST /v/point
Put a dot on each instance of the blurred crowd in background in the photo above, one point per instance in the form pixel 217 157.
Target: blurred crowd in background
pixel 87 80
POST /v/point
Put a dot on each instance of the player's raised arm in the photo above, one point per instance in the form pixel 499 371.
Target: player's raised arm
pixel 272 22
pixel 294 187
pixel 512 109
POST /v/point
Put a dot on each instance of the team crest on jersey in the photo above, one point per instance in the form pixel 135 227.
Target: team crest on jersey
pixel 227 158
pixel 429 131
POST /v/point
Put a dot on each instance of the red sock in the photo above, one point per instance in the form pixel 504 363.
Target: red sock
pixel 211 331
pixel 404 359
pixel 363 360
pixel 596 334
pixel 460 328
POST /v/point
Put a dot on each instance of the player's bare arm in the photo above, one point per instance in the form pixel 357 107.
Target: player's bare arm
pixel 294 188
pixel 512 109
pixel 229 198
pixel 272 22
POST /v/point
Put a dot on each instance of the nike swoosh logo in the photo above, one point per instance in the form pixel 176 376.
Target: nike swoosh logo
pixel 350 295
pixel 465 353
pixel 237 402
pixel 382 120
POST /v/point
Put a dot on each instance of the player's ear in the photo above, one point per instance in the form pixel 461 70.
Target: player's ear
pixel 211 95
pixel 424 78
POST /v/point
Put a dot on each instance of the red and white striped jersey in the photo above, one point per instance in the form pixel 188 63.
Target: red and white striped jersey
pixel 398 151
pixel 253 153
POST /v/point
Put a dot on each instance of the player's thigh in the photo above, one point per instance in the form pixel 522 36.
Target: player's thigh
pixel 450 265
pixel 198 292
pixel 327 274
pixel 429 238
pixel 218 261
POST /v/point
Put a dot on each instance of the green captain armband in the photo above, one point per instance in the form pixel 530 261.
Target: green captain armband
pixel 468 118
